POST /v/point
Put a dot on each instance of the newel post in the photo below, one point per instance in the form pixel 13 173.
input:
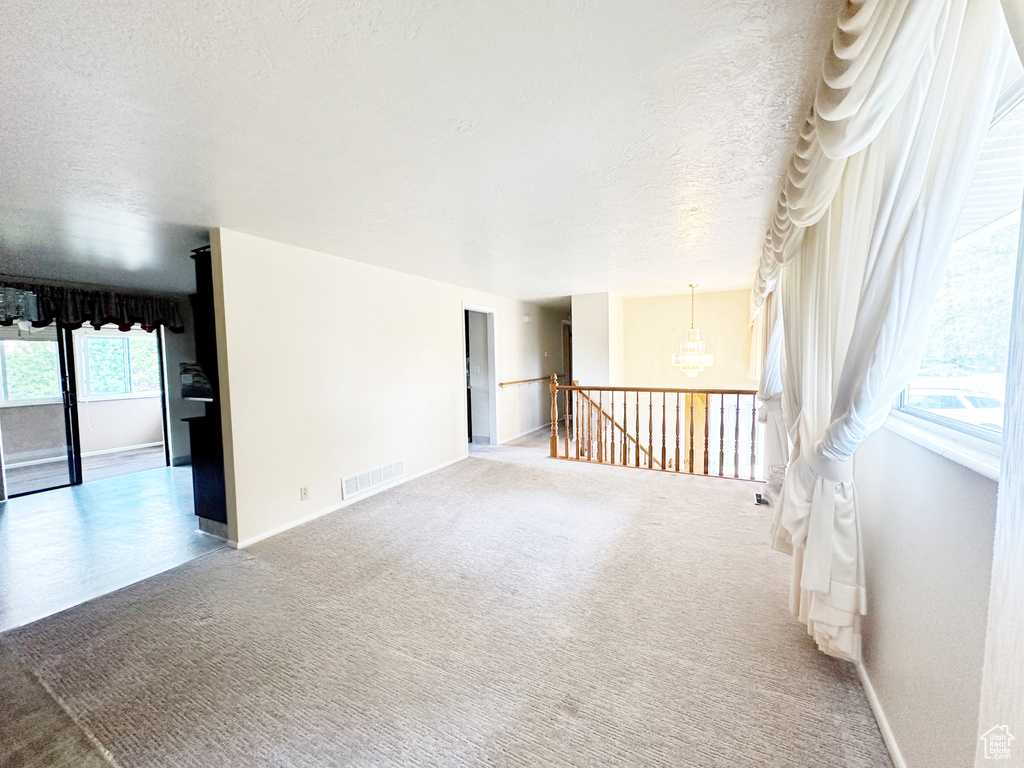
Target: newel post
pixel 554 415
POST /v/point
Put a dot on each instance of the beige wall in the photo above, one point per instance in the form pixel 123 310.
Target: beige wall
pixel 109 424
pixel 927 525
pixel 653 328
pixel 592 340
pixel 32 432
pixel 365 366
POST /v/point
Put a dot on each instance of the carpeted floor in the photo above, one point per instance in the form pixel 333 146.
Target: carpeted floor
pixel 508 610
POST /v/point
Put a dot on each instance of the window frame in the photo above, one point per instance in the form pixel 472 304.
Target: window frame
pixel 5 401
pixel 947 424
pixel 82 357
pixel 983 439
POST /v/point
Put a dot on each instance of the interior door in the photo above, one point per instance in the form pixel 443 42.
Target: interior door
pixel 38 419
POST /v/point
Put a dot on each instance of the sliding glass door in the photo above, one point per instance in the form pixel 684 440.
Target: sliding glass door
pixel 38 418
pixel 120 402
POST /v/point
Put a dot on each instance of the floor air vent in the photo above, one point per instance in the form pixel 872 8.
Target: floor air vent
pixel 357 484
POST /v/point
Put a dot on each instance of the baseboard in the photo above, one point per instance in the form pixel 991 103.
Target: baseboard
pixel 527 432
pixel 883 723
pixel 119 450
pixel 55 459
pixel 335 507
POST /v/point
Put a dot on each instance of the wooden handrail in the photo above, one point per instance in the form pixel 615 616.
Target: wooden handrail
pixel 599 436
pixel 528 381
pixel 603 413
pixel 666 390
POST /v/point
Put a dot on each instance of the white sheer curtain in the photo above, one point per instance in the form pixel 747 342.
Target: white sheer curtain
pixel 1002 683
pixel 776 439
pixel 863 229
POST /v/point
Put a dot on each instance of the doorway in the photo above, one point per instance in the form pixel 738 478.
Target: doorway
pixel 37 410
pixel 481 384
pixel 78 406
pixel 120 401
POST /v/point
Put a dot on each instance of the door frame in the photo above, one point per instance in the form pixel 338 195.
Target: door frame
pixel 69 409
pixel 492 369
pixel 69 386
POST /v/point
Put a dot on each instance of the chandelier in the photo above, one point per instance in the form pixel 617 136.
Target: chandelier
pixel 691 358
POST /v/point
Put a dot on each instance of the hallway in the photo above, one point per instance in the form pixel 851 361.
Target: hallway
pixel 60 548
pixel 508 610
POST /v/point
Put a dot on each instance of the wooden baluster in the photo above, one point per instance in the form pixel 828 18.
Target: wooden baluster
pixel 736 459
pixel 625 430
pixel 636 431
pixel 576 419
pixel 753 435
pixel 590 426
pixel 583 426
pixel 691 433
pixel 554 415
pixel 585 436
pixel 678 469
pixel 721 437
pixel 567 423
pixel 664 463
pixel 611 439
pixel 593 428
pixel 707 427
pixel 650 430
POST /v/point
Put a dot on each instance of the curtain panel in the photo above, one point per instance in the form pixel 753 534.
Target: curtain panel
pixel 877 48
pixel 857 255
pixel 769 393
pixel 75 307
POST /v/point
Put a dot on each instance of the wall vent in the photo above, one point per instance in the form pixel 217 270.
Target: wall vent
pixel 358 484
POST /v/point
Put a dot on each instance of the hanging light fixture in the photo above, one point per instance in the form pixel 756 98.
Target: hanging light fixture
pixel 692 358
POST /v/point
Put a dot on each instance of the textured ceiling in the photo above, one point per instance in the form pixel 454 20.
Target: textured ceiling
pixel 528 149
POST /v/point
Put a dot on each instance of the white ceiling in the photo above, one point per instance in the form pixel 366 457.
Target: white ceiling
pixel 530 149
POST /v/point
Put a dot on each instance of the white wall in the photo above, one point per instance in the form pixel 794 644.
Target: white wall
pixel 331 367
pixel 119 423
pixel 597 339
pixel 927 525
pixel 616 340
pixel 653 328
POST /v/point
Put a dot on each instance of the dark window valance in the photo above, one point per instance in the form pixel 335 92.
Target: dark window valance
pixel 75 307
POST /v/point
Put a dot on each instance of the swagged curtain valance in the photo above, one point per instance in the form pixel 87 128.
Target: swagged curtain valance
pixel 854 258
pixel 74 307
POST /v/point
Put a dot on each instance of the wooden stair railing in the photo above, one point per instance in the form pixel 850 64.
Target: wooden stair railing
pixel 608 426
pixel 592 431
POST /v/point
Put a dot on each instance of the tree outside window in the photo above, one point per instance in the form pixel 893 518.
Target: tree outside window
pixel 30 370
pixel 122 366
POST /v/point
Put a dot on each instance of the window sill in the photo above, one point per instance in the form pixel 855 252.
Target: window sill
pixel 975 454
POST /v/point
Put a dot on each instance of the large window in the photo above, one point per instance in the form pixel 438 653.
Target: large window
pixel 120 365
pixel 29 371
pixel 962 378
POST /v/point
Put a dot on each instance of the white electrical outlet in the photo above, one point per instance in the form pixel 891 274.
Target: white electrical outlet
pixel 303 494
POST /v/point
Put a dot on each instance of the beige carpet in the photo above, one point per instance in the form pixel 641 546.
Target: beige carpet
pixel 509 610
